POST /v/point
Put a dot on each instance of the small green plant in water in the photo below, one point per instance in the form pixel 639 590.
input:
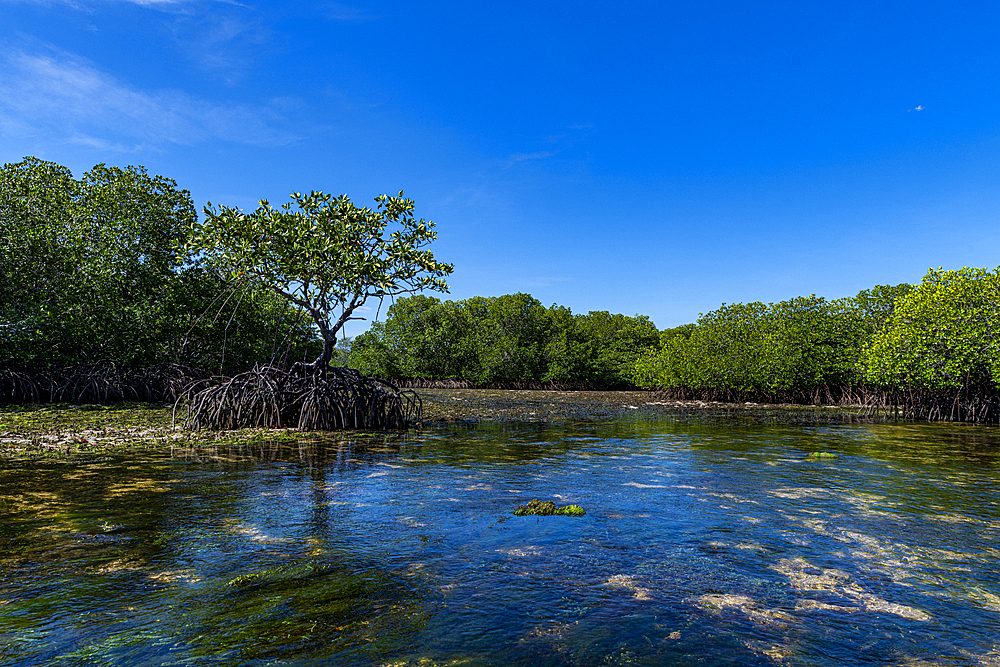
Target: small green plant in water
pixel 822 455
pixel 547 508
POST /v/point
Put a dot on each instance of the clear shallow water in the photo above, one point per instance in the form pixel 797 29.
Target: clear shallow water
pixel 706 542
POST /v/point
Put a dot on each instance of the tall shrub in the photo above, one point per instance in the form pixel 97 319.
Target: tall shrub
pixel 941 335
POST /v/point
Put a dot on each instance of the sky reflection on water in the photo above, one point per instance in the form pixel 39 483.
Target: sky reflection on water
pixel 705 542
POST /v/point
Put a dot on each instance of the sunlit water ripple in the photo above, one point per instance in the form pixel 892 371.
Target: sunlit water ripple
pixel 703 543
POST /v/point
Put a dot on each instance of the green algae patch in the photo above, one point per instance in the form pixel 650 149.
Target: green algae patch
pixel 423 661
pixel 547 508
pixel 822 455
pixel 280 575
pixel 314 610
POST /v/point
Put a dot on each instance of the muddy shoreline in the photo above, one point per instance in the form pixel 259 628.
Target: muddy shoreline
pixel 526 405
pixel 67 431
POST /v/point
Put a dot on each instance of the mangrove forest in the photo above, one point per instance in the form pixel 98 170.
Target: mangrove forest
pixel 112 288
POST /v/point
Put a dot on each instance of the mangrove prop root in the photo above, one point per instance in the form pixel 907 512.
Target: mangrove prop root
pixel 102 382
pixel 547 508
pixel 973 403
pixel 451 383
pixel 268 397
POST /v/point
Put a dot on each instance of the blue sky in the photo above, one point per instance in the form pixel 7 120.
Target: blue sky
pixel 641 157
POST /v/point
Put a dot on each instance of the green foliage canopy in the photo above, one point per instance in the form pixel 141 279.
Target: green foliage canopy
pixel 87 274
pixel 84 260
pixel 505 339
pixel 326 256
pixel 757 347
pixel 941 335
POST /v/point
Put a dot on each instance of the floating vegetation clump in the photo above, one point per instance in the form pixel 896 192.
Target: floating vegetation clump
pixel 822 455
pixel 547 508
pixel 268 397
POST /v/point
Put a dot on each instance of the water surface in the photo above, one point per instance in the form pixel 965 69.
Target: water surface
pixel 706 542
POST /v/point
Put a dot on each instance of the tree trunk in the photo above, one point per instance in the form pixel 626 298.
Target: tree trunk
pixel 322 362
pixel 317 365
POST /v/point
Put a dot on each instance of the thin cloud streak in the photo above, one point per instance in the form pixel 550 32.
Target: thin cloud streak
pixel 524 157
pixel 337 11
pixel 152 3
pixel 66 98
pixel 227 42
pixel 92 5
pixel 221 36
pixel 105 146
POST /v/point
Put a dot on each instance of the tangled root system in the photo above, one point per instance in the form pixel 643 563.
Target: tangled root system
pixel 103 382
pixel 268 397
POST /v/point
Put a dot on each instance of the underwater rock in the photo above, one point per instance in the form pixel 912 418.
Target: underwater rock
pixel 547 508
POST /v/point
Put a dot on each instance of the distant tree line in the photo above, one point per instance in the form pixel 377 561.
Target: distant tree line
pixel 924 352
pixel 510 340
pixel 928 351
pixel 806 349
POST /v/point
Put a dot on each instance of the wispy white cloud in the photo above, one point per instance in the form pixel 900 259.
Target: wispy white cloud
pixel 521 281
pixel 81 6
pixel 229 42
pixel 91 5
pixel 153 3
pixel 58 96
pixel 225 37
pixel 338 11
pixel 563 143
pixel 524 157
pixel 105 146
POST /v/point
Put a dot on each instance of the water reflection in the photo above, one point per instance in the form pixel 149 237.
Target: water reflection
pixel 705 541
pixel 340 455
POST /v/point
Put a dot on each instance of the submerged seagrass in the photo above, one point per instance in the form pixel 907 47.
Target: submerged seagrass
pixel 268 397
pixel 707 539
